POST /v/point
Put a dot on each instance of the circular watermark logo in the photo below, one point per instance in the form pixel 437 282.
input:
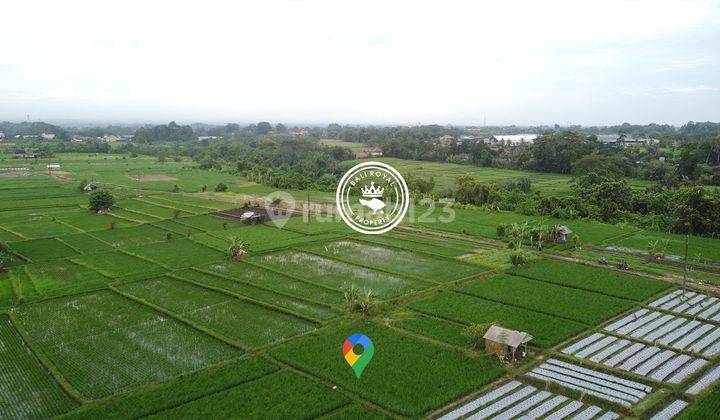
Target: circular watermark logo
pixel 372 197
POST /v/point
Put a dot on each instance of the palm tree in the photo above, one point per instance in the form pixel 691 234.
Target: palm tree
pixel 236 250
pixel 351 295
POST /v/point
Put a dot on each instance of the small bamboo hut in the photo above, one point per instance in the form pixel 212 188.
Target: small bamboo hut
pixel 513 342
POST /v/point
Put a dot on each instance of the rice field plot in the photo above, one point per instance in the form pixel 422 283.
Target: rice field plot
pixel 59 277
pixel 26 388
pixel 86 220
pixel 601 385
pixel 44 202
pixel 434 328
pixel 425 243
pixel 187 209
pixel 199 202
pixel 297 305
pixel 117 264
pixel 314 225
pixel 693 304
pixel 279 395
pixel 602 280
pixel 547 330
pixel 43 249
pixel 132 236
pixel 408 376
pixel 632 356
pixel 274 281
pixel 130 216
pixel 337 275
pixel 677 332
pixel 206 222
pixel 154 398
pixel 250 324
pixel 6 236
pixel 175 227
pixel 84 243
pixel 397 260
pixel 177 253
pixel 579 305
pixel 514 399
pixel 699 247
pixel 151 209
pixel 102 343
pixel 7 295
pixel 476 222
pixel 36 226
pixel 257 237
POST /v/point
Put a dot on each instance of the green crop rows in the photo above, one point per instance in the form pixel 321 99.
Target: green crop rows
pixel 140 313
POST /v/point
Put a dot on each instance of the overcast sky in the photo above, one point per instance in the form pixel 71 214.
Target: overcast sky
pixel 361 62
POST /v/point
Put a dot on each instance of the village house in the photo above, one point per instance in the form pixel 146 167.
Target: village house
pixel 626 140
pixel 563 232
pixel 53 167
pixel 111 138
pixel 361 155
pixel 506 343
pixel 47 136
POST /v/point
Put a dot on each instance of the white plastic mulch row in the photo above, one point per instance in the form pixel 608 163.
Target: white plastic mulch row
pixel 687 370
pixel 690 303
pixel 503 403
pixel 582 343
pixel 608 387
pixel 482 400
pixel 516 400
pixel 642 359
pixel 592 348
pixel 588 413
pixel 671 410
pixel 706 380
pixel 632 317
pixel 669 330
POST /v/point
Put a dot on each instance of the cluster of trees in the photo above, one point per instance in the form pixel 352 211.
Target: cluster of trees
pixel 689 209
pixel 33 129
pixel 279 161
pixel 171 132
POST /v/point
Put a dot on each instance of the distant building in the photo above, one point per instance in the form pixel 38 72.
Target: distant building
pixel 626 140
pixel 375 152
pixel 361 155
pixel 111 138
pixel 19 154
pixel 2 135
pixel 512 139
pixel 90 186
pixel 202 138
pixel 298 133
pixel 53 167
pixel 47 136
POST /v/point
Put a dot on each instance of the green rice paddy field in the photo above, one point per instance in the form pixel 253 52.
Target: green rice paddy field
pixel 138 312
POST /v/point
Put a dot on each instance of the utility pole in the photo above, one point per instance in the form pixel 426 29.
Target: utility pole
pixel 687 239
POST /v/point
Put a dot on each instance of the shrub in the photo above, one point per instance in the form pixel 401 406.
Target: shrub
pixel 351 295
pixel 474 334
pixel 82 185
pixel 176 188
pixel 502 230
pixel 101 200
pixel 176 213
pixel 236 250
pixel 221 187
pixel 518 257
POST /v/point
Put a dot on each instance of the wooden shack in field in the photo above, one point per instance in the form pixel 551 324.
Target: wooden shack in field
pixel 514 342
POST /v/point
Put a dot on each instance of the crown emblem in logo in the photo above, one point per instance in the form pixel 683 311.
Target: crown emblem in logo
pixel 372 191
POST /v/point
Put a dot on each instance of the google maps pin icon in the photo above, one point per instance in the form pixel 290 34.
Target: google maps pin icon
pixel 356 357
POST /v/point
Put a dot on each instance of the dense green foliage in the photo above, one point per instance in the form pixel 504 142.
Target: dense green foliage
pixel 171 132
pixel 101 200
